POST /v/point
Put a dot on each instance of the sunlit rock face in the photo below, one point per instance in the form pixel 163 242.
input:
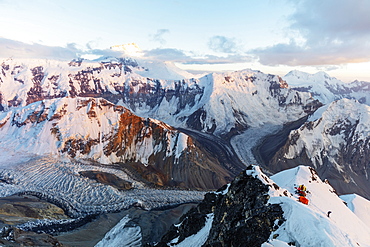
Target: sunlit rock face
pixel 97 130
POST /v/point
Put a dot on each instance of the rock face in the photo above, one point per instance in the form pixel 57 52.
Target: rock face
pixel 238 214
pixel 97 130
pixel 107 178
pixel 336 143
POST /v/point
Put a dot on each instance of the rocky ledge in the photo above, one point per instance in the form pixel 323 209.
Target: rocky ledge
pixel 108 179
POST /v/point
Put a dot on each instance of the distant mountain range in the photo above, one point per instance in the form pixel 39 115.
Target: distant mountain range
pixel 163 129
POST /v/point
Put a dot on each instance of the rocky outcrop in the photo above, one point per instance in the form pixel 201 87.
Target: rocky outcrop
pixel 107 178
pixel 239 215
pixel 20 209
pixel 11 236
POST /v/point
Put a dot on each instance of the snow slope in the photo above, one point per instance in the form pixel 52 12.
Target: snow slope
pixel 162 70
pixel 309 225
pixel 359 206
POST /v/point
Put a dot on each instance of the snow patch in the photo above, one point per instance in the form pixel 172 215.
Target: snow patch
pixel 200 237
pixel 122 235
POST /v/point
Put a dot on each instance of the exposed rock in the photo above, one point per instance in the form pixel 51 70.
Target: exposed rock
pixel 241 215
pixel 107 178
pixel 20 209
pixel 12 236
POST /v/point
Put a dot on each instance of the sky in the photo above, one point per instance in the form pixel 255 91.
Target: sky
pixel 274 36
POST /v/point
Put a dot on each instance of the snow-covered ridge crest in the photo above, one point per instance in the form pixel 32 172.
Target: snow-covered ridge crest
pixel 119 80
pixel 88 128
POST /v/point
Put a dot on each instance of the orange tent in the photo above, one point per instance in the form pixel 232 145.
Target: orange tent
pixel 303 199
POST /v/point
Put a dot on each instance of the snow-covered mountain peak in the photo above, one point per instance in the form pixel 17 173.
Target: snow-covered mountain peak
pixel 327 89
pixel 96 130
pixel 342 121
pixel 86 128
pixel 299 78
pixel 252 98
pixel 350 110
pixel 247 78
pixel 162 70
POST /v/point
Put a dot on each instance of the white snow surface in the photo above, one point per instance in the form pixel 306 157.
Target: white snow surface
pixel 309 225
pixel 317 140
pixel 319 84
pixel 162 70
pixel 121 235
pixel 359 206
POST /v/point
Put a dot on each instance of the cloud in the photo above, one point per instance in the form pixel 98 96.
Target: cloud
pixel 222 44
pixel 331 32
pixel 176 55
pixel 158 36
pixel 166 54
pixel 17 49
